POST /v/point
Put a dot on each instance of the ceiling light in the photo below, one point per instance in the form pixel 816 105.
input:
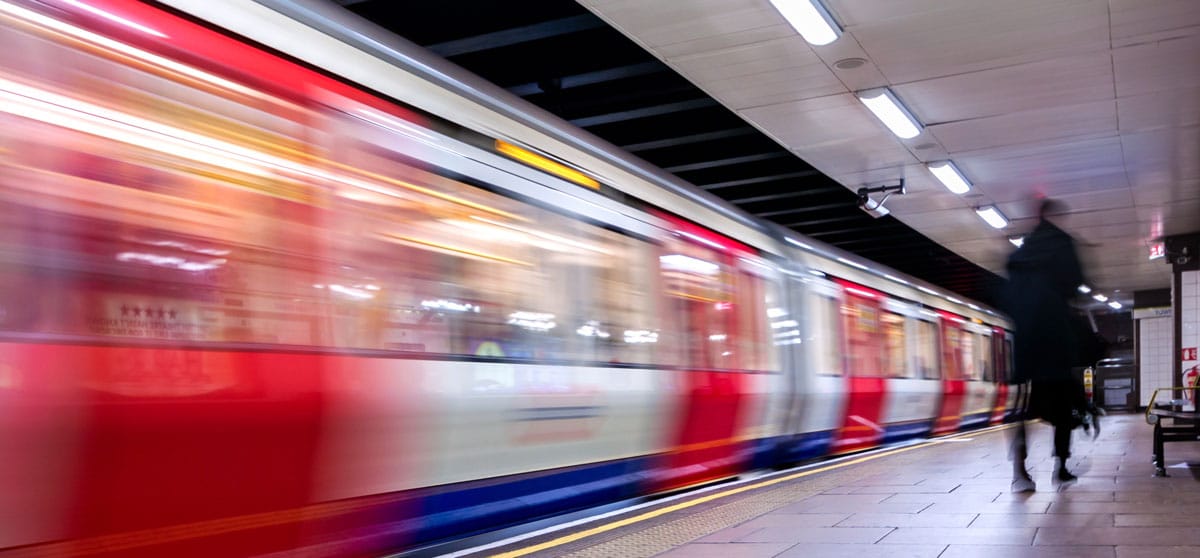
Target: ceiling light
pixel 1085 289
pixel 950 176
pixel 810 19
pixel 993 216
pixel 1099 297
pixel 888 109
pixel 1114 305
pixel 1017 241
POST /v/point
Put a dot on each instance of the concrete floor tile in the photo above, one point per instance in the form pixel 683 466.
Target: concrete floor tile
pixel 908 520
pixel 1157 551
pixel 854 507
pixel 863 550
pixel 729 534
pixel 992 551
pixel 952 497
pixel 988 507
pixel 817 535
pixel 963 535
pixel 1119 536
pixel 731 550
pixel 1154 520
pixel 1043 520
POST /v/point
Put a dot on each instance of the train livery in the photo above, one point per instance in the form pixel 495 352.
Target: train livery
pixel 249 307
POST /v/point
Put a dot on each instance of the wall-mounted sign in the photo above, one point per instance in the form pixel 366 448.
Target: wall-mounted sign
pixel 1157 250
pixel 1189 353
pixel 1158 312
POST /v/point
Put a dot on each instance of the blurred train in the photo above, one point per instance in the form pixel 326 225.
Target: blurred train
pixel 250 307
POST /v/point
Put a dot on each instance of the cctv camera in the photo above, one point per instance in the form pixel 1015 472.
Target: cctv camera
pixel 873 208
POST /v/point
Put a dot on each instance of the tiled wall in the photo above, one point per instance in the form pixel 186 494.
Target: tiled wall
pixel 1156 350
pixel 1189 292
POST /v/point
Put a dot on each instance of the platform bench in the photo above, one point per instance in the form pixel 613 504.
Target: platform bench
pixel 1184 427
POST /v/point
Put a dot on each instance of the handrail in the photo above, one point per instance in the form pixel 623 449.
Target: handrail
pixel 1150 418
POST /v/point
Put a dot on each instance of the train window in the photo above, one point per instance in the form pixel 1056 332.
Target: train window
pixel 699 287
pixel 951 351
pixel 863 331
pixel 157 210
pixel 755 295
pixel 984 357
pixel 925 353
pixel 824 333
pixel 894 345
pixel 447 267
pixel 968 364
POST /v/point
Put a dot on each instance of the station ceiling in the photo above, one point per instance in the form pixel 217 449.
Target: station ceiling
pixel 725 95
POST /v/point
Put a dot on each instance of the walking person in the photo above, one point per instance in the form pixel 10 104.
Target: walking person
pixel 1043 275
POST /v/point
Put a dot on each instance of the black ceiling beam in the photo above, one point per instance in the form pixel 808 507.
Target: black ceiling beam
pixel 692 138
pixel 517 35
pixel 644 112
pixel 591 78
pixel 807 209
pixel 783 196
pixel 759 179
pixel 859 230
pixel 713 163
pixel 815 222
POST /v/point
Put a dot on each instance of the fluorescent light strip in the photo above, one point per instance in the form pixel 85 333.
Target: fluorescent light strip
pixel 1085 289
pixel 1100 298
pixel 992 216
pixel 1114 305
pixel 950 176
pixel 810 19
pixel 887 108
pixel 1017 241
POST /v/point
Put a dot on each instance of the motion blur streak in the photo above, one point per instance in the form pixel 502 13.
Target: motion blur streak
pixel 248 309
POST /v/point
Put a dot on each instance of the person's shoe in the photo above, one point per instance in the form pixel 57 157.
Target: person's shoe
pixel 1063 475
pixel 1023 485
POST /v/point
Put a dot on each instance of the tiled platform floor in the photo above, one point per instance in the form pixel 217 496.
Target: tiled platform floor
pixel 947 500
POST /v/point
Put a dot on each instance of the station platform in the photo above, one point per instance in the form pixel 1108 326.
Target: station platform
pixel 944 498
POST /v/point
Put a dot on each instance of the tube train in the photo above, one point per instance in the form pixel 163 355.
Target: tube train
pixel 249 307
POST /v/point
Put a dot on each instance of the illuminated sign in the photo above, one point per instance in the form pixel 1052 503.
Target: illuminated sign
pixel 1157 250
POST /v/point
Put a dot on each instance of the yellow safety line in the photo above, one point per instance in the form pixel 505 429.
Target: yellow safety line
pixel 716 496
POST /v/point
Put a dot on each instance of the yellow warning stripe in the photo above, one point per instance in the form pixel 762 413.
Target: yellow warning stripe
pixel 715 496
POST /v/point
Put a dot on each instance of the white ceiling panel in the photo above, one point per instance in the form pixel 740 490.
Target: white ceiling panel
pixel 1139 21
pixel 1177 217
pixel 1045 83
pixel 835 134
pixel 1040 167
pixel 971 36
pixel 1089 120
pixel 1168 108
pixel 1175 151
pixel 763 73
pixel 1150 193
pixel 1159 66
pixel 1096 102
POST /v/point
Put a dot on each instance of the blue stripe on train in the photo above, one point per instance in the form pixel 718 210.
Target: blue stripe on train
pixel 893 433
pixel 808 445
pixel 975 420
pixel 463 510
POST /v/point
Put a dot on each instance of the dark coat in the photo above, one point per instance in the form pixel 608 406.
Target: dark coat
pixel 1043 275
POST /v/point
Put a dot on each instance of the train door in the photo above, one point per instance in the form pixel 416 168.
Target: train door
pixel 977 371
pixel 1000 364
pixel 953 386
pixel 718 327
pixel 819 397
pixel 912 392
pixel 863 348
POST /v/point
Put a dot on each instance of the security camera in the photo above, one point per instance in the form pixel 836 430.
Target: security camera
pixel 875 208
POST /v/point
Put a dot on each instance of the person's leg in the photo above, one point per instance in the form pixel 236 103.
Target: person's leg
pixel 1019 449
pixel 1062 449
